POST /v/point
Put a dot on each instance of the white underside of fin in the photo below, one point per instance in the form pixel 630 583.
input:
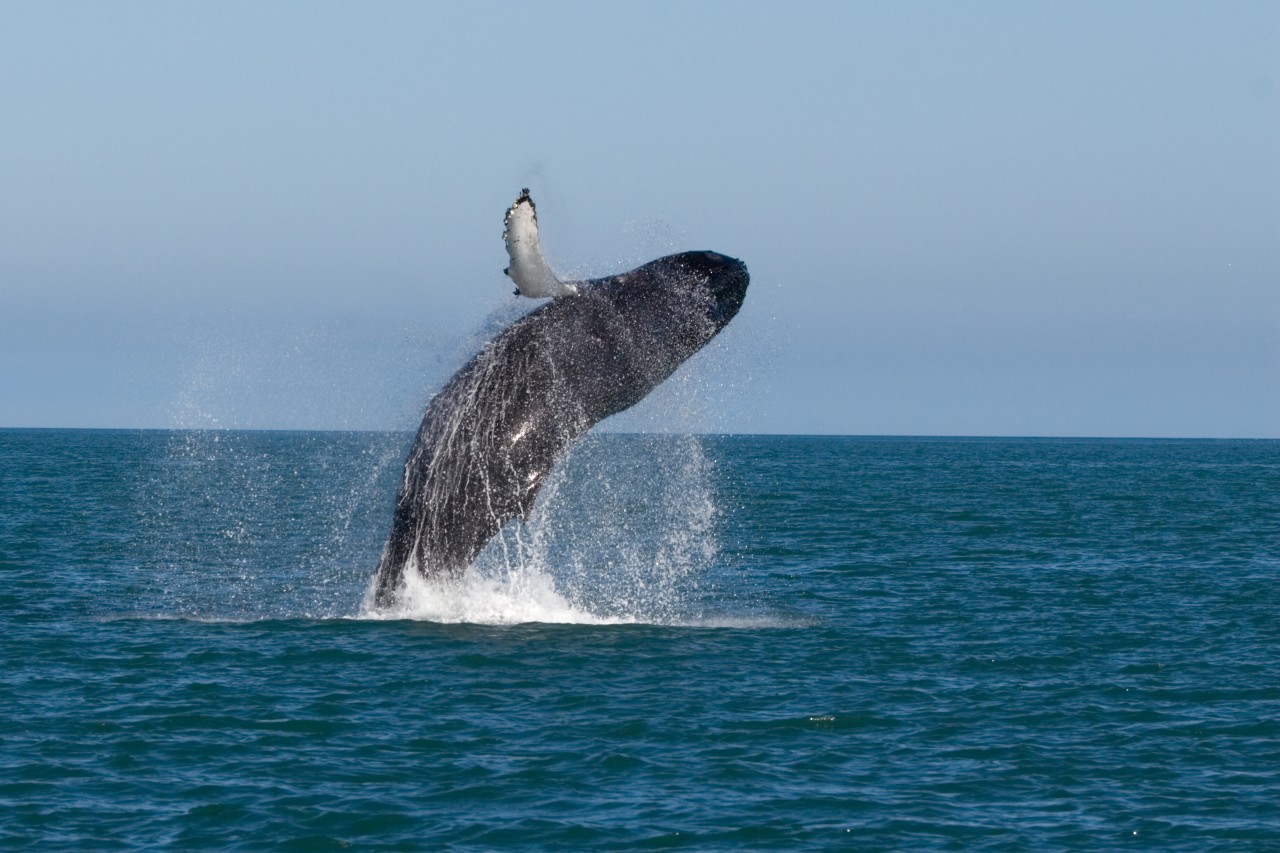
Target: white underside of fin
pixel 528 268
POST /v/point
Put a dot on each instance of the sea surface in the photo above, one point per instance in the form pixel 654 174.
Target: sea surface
pixel 702 643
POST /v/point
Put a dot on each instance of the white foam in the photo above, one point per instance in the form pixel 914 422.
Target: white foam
pixel 518 597
pixel 529 595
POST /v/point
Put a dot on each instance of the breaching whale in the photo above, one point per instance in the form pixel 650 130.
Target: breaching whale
pixel 491 436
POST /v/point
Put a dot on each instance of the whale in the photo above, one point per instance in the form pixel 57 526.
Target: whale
pixel 492 435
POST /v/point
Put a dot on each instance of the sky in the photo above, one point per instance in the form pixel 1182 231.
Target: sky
pixel 980 218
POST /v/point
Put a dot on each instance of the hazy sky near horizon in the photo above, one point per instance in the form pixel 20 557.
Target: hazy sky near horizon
pixel 989 218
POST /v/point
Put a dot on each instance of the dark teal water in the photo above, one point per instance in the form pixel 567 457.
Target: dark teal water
pixel 741 643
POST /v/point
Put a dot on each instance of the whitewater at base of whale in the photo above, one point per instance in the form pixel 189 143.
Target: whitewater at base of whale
pixel 530 596
pixel 624 532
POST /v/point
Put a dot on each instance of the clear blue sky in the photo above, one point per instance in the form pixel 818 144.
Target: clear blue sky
pixel 960 218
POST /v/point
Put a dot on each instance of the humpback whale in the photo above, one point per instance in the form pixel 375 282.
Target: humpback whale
pixel 490 437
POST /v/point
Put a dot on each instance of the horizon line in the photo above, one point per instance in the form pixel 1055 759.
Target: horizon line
pixel 863 436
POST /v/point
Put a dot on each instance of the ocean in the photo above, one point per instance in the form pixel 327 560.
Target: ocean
pixel 695 642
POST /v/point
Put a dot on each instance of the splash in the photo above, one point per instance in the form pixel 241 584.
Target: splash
pixel 515 598
pixel 238 525
pixel 625 526
pixel 623 533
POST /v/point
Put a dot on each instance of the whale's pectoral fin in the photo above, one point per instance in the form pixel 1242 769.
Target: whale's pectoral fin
pixel 529 269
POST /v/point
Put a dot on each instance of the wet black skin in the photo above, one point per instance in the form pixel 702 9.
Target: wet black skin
pixel 491 436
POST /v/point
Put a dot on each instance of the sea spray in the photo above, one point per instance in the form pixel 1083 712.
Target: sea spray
pixel 623 532
pixel 220 510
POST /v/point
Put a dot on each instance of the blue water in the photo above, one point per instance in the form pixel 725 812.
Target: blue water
pixel 717 643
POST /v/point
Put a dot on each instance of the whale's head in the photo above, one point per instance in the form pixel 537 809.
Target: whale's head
pixel 722 279
pixel 690 296
pixel 667 309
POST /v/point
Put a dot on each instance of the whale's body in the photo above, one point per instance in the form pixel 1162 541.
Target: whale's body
pixel 491 436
